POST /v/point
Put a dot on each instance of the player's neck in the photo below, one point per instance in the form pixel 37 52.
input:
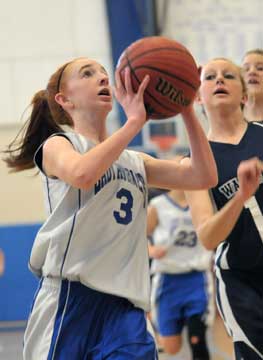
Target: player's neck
pixel 178 196
pixel 253 110
pixel 93 130
pixel 228 129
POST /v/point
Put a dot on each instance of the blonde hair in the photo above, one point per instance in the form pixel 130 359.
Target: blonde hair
pixel 257 51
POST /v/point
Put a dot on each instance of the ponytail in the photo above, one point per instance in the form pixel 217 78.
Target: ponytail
pixel 45 120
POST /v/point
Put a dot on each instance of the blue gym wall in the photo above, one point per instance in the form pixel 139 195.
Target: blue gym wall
pixel 17 284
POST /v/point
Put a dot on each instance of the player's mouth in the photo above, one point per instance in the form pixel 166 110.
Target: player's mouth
pixel 105 94
pixel 220 91
pixel 253 81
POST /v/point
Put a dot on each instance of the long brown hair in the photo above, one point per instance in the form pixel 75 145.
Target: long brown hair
pixel 45 119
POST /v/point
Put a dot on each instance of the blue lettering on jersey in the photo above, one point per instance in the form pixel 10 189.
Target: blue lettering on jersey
pixel 117 172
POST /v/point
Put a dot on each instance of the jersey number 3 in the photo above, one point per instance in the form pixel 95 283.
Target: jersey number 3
pixel 124 216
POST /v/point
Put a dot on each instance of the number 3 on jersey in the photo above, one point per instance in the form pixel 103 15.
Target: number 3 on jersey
pixel 124 216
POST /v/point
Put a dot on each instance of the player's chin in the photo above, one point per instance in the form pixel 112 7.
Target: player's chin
pixel 107 105
pixel 106 101
pixel 255 89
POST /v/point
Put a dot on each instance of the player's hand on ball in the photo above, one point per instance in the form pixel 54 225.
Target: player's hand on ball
pixel 132 103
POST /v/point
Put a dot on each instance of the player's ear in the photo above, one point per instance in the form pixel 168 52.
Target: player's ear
pixel 197 96
pixel 198 99
pixel 63 100
pixel 244 99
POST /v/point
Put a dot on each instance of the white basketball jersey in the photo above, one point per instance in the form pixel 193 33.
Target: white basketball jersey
pixel 175 231
pixel 97 236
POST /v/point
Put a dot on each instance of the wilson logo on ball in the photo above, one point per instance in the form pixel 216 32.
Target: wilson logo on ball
pixel 167 89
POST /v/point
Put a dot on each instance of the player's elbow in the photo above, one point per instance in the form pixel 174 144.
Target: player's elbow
pixel 205 238
pixel 208 181
pixel 81 179
pixel 213 178
pixel 206 242
pixel 208 245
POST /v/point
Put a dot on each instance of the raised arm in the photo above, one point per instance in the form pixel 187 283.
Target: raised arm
pixel 214 227
pixel 198 172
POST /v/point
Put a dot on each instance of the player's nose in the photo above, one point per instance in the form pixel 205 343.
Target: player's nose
pixel 219 79
pixel 104 80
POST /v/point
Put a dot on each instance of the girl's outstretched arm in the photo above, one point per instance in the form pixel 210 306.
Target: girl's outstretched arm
pixel 195 173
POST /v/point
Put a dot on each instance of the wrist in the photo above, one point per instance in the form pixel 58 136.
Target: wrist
pixel 131 127
pixel 188 112
pixel 240 198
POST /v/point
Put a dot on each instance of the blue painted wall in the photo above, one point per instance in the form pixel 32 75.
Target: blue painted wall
pixel 17 284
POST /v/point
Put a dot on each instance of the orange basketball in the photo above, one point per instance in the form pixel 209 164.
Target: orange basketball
pixel 174 77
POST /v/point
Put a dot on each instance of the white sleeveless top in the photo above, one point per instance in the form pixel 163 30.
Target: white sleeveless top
pixel 97 237
pixel 175 231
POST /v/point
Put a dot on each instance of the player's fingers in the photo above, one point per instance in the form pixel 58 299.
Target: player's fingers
pixel 118 81
pixel 143 85
pixel 127 77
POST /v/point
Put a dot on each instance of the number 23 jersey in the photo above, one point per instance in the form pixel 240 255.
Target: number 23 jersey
pixel 243 248
pixel 176 233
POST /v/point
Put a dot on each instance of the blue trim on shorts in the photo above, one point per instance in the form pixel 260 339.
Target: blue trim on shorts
pixel 62 308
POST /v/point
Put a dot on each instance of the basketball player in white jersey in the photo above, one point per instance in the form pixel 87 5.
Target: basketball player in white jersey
pixel 182 280
pixel 91 253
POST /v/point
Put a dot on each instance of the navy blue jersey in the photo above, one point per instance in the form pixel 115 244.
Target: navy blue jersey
pixel 243 249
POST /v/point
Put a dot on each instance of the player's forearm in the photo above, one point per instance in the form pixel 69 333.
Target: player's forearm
pixel 202 159
pixel 98 160
pixel 218 227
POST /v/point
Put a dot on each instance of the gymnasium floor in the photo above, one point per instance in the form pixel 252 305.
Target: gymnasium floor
pixel 220 345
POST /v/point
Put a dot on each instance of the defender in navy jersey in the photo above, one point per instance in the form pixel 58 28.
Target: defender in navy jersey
pixel 230 217
pixel 182 284
pixel 91 253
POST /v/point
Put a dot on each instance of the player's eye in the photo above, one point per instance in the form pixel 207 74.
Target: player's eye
pixel 209 76
pixel 87 73
pixel 260 67
pixel 229 76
